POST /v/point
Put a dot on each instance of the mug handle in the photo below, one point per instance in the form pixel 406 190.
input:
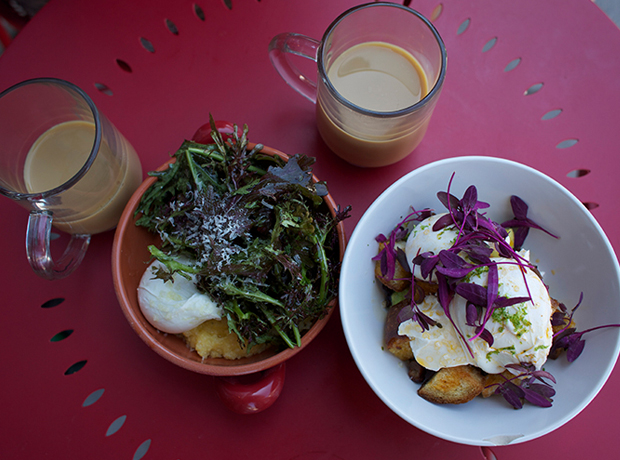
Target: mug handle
pixel 38 238
pixel 289 43
pixel 253 393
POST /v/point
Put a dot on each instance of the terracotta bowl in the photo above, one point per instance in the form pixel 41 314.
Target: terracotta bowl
pixel 130 257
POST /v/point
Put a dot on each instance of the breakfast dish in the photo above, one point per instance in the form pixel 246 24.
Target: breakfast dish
pixel 249 253
pixel 580 267
pixel 468 311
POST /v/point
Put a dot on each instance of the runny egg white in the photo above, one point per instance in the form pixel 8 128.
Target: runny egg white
pixel 174 306
pixel 522 333
pixel 439 346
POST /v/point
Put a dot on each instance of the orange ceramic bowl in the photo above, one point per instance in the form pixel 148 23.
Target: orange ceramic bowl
pixel 130 257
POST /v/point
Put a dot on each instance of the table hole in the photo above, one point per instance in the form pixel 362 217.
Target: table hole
pixel 512 65
pixel 199 12
pixel 487 454
pixel 123 65
pixel 53 302
pixel 566 143
pixel 490 44
pixel 62 335
pixel 437 12
pixel 171 26
pixel 93 397
pixel 228 4
pixel 116 425
pixel 147 45
pixel 575 173
pixel 533 89
pixel 407 3
pixel 463 27
pixel 75 367
pixel 105 89
pixel 590 205
pixel 54 236
pixel 551 114
pixel 142 450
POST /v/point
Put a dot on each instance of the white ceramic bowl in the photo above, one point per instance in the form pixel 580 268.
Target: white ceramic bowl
pixel 581 260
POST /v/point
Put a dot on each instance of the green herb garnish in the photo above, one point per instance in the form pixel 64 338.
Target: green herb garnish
pixel 261 239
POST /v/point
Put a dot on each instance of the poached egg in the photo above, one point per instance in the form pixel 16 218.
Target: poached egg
pixel 174 306
pixel 521 332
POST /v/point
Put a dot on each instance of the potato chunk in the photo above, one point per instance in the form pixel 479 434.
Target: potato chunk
pixel 401 279
pixel 396 344
pixel 453 385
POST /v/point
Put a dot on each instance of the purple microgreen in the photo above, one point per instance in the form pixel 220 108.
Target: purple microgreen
pixel 512 393
pixel 413 312
pixel 443 222
pixel 568 338
pixel 405 314
pixel 475 293
pixel 521 223
pixel 401 257
pixel 542 389
pixel 523 386
pixel 575 347
pixel 444 294
pixel 427 262
pixel 520 234
pixel 535 397
pixel 558 318
pixel 448 200
pixel 502 302
pixel 485 335
pixel 381 238
pixel 453 265
pixel 492 287
pixel 389 255
pixel 472 314
pixel 541 375
pixel 519 207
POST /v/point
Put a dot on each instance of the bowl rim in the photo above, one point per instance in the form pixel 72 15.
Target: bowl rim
pixel 135 316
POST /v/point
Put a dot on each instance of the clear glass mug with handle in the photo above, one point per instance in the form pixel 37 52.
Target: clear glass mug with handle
pixel 380 70
pixel 64 161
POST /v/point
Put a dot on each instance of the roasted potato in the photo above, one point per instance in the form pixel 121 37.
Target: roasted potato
pixel 453 385
pixel 401 279
pixel 396 344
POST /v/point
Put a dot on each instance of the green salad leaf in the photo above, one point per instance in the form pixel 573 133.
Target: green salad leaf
pixel 260 239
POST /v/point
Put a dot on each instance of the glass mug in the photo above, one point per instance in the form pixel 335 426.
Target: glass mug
pixel 381 67
pixel 64 161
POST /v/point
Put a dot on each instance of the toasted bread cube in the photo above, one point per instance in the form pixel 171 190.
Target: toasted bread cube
pixel 453 385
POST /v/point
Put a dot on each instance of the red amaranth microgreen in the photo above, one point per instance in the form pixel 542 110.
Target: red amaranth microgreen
pixel 528 384
pixel 568 338
pixel 521 223
pixel 477 237
pixel 390 254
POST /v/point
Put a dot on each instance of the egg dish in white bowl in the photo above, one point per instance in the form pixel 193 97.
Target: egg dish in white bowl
pixel 469 288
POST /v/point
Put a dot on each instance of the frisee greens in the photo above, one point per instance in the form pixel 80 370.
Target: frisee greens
pixel 260 237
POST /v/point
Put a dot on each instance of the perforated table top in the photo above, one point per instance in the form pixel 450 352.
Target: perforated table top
pixel 531 81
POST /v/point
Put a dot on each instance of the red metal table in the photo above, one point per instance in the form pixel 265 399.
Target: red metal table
pixel 530 81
